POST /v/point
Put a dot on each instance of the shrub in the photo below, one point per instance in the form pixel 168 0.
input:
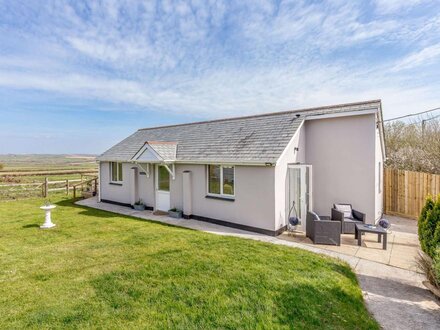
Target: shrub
pixel 429 237
pixel 1 166
pixel 436 267
pixel 430 267
pixel 429 226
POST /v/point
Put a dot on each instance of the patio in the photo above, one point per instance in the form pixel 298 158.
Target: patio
pixel 403 244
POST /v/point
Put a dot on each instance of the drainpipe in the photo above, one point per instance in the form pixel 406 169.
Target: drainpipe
pixel 187 194
pixel 99 182
pixel 134 192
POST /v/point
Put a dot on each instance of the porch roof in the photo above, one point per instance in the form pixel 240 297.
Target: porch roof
pixel 156 151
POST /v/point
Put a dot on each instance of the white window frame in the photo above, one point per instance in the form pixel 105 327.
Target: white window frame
pixel 157 178
pixel 117 172
pixel 222 195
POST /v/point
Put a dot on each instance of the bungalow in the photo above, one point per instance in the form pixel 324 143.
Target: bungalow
pixel 246 172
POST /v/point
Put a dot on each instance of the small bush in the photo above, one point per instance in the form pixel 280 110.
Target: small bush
pixel 429 226
pixel 429 237
pixel 430 267
pixel 436 267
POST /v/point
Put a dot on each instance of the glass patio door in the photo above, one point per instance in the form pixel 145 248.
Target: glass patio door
pixel 299 193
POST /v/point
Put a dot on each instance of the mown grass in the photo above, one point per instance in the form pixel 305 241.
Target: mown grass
pixel 101 270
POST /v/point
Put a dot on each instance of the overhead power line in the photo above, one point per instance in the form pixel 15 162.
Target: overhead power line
pixel 413 114
pixel 431 118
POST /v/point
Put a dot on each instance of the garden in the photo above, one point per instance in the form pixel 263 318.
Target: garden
pixel 100 269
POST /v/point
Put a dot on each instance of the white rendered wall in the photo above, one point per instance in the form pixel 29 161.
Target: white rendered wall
pixel 115 192
pixel 379 176
pixel 342 152
pixel 281 183
pixel 254 196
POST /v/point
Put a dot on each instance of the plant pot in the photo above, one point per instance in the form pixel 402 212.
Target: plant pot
pixel 175 214
pixel 139 207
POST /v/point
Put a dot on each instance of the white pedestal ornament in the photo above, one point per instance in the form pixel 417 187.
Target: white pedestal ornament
pixel 47 220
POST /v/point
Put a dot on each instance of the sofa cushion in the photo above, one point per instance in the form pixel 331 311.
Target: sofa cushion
pixel 346 209
pixel 315 216
pixel 347 220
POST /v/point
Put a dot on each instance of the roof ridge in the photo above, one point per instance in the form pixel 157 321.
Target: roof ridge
pixel 267 114
pixel 161 142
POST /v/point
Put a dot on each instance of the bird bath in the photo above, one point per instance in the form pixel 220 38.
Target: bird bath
pixel 47 220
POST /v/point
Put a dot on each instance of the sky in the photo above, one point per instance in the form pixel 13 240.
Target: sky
pixel 79 76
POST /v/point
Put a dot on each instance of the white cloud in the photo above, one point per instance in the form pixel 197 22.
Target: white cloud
pixel 393 6
pixel 424 56
pixel 214 59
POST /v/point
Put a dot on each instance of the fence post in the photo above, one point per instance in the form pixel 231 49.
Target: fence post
pixel 74 191
pixel 46 186
pixel 67 187
pixel 96 186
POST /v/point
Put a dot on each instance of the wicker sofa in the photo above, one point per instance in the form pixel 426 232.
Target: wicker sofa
pixel 322 230
pixel 348 222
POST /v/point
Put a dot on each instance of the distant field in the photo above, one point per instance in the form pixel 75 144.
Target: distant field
pixel 16 163
pixel 23 169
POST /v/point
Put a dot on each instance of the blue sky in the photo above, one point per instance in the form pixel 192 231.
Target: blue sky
pixel 78 76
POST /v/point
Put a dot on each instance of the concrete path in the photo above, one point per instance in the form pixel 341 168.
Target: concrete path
pixel 396 297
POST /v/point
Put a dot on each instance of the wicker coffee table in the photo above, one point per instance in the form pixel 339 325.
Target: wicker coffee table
pixel 362 228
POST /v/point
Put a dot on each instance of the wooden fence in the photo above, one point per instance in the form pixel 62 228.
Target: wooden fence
pixel 405 192
pixel 45 187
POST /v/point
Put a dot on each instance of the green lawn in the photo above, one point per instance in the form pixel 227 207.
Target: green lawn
pixel 98 269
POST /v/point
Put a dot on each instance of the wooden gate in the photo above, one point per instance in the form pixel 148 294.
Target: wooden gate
pixel 405 191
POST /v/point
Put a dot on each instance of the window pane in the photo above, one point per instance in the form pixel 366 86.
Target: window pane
pixel 164 179
pixel 228 180
pixel 114 172
pixel 119 171
pixel 295 190
pixel 214 179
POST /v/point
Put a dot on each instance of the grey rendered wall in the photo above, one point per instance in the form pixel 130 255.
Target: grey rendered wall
pixel 342 152
pixel 116 193
pixel 254 203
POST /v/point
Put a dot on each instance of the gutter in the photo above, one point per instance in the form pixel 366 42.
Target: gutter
pixel 196 162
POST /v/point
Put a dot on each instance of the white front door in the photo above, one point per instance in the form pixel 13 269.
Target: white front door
pixel 162 188
pixel 299 193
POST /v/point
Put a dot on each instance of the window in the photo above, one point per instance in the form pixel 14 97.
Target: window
pixel 221 180
pixel 116 172
pixel 163 181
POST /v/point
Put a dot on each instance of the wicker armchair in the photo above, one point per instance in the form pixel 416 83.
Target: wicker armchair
pixel 347 222
pixel 323 231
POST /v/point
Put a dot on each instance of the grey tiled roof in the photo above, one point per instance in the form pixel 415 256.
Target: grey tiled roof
pixel 259 138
